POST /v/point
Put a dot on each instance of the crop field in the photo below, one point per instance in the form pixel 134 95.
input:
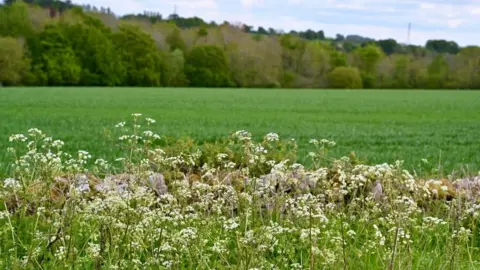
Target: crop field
pixel 442 127
pixel 108 190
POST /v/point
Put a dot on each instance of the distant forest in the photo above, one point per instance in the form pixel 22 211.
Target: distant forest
pixel 54 43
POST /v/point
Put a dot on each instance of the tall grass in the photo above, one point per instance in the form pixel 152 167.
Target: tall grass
pixel 239 203
pixel 381 126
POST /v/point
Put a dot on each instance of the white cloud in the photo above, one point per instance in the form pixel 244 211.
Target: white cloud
pixel 431 19
pixel 454 23
pixel 475 11
pixel 294 2
pixel 427 6
pixel 251 3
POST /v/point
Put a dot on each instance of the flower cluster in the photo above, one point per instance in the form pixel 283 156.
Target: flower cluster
pixel 237 206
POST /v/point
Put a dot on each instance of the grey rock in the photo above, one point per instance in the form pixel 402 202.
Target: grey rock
pixel 377 190
pixel 81 183
pixel 156 182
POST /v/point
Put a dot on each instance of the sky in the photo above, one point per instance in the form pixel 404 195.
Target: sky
pixel 457 20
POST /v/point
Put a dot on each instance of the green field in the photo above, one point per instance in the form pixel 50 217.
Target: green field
pixel 380 126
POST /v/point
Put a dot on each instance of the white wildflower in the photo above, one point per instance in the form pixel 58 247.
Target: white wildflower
pixel 148 133
pixel 150 121
pixel 230 225
pixel 17 138
pixel 230 165
pixel 11 183
pixel 272 137
pixel 93 250
pixel 33 132
pixel 120 125
pixel 221 156
pixel 58 144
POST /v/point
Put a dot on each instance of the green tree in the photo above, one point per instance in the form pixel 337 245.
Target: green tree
pixel 389 46
pixel 288 79
pixel 82 49
pixel 313 66
pixel 400 77
pixel 202 34
pixel 53 59
pixel 253 63
pixel 292 50
pixel 337 59
pixel 173 72
pixel 139 54
pixel 418 73
pixel 15 21
pixel 345 77
pixel 442 46
pixel 368 58
pixel 437 72
pixel 94 49
pixel 467 71
pixel 13 65
pixel 206 66
pixel 175 41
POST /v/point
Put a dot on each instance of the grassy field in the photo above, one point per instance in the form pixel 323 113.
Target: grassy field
pixel 249 206
pixel 380 126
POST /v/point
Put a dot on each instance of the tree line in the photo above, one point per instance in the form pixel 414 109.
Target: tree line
pixel 52 43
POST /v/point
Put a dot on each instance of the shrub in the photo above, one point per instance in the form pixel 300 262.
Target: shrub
pixel 237 202
pixel 345 77
pixel 288 79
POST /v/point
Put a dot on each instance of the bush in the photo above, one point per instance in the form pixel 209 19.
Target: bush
pixel 369 80
pixel 289 78
pixel 237 202
pixel 345 77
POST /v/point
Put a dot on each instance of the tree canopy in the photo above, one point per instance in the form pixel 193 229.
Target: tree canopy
pixel 49 42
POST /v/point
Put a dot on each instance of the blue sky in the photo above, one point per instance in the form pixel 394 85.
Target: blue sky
pixel 457 20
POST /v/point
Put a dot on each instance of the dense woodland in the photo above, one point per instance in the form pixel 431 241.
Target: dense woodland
pixel 54 43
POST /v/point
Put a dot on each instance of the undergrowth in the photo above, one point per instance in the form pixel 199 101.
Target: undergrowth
pixel 233 204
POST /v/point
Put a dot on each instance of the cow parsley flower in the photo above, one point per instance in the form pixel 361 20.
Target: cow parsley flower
pixel 272 137
pixel 120 125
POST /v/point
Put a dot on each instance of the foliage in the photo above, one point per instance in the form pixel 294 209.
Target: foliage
pixel 175 41
pixel 53 58
pixel 139 55
pixel 337 59
pixel 437 72
pixel 15 21
pixel 94 48
pixel 245 205
pixel 388 46
pixel 346 77
pixel 401 78
pixel 206 66
pixel 442 46
pixel 13 65
pixel 368 58
pixel 100 62
pixel 173 71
